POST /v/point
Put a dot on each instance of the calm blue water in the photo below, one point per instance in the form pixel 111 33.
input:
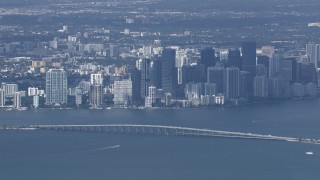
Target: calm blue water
pixel 81 155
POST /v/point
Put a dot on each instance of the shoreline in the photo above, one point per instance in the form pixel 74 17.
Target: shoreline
pixel 10 109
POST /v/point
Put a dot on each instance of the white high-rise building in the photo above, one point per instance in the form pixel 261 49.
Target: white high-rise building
pixel 32 91
pixel 152 94
pixel 54 44
pixel 78 96
pixel 313 54
pixel 35 103
pixel 96 79
pixel 56 87
pixel 10 89
pixel 17 100
pixel 2 98
pixel 96 95
pixel 122 93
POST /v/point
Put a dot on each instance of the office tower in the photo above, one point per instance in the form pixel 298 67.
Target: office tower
pixel 232 83
pixel 217 76
pixel 293 65
pixel 96 79
pixel 96 95
pixel 122 93
pixel 275 65
pixel 152 94
pixel 249 56
pixel 56 87
pixel 2 98
pixel 35 101
pixel 16 100
pixel 145 77
pixel 306 73
pixel 135 76
pixel 192 74
pixel 246 85
pixel 169 71
pixel 234 58
pixel 260 87
pixel 263 60
pixel 287 70
pixel 210 89
pixel 275 87
pixel 313 54
pixel 155 73
pixel 208 59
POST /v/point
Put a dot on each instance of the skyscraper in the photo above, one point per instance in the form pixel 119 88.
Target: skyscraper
pixel 2 98
pixel 96 79
pixel 56 87
pixel 35 101
pixel 16 100
pixel 9 89
pixel 246 85
pixel 249 57
pixel 208 59
pixel 313 54
pixel 122 93
pixel 275 65
pixel 96 95
pixel 234 58
pixel 135 76
pixel 155 73
pixel 145 76
pixel 169 72
pixel 260 87
pixel 217 76
pixel 232 81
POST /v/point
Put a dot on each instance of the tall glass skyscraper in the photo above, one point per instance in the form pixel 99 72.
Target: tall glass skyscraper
pixel 56 87
pixel 249 56
pixel 169 71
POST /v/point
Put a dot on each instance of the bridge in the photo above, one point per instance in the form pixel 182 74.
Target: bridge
pixel 159 130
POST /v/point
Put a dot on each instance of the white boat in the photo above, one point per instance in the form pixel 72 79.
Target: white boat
pixel 309 153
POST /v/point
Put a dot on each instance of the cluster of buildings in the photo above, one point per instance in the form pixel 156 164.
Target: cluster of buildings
pixel 175 77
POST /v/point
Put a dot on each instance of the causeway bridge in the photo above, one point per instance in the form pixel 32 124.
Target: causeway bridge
pixel 159 130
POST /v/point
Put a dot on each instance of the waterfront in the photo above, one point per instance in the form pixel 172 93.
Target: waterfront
pixel 83 155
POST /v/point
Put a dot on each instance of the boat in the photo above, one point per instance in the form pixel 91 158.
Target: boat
pixel 309 153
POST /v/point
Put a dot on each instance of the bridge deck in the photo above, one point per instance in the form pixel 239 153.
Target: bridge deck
pixel 159 130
